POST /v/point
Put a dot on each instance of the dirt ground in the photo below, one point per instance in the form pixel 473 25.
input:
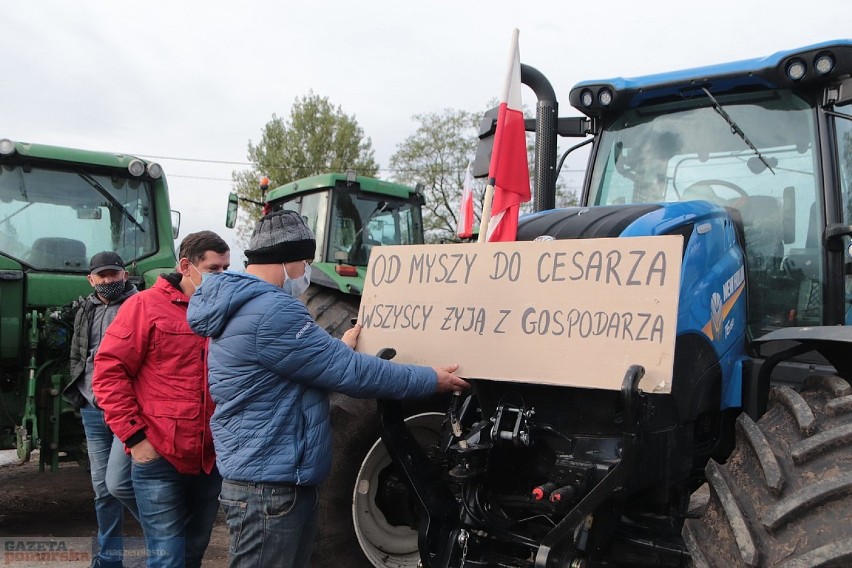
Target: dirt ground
pixel 51 517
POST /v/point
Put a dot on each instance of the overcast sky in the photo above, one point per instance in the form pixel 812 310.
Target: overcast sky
pixel 181 81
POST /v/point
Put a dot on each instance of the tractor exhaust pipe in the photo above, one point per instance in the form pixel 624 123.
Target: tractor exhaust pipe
pixel 545 126
pixel 546 114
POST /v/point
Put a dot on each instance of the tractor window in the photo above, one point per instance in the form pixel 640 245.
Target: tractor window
pixel 844 150
pixel 686 151
pixel 360 222
pixel 57 219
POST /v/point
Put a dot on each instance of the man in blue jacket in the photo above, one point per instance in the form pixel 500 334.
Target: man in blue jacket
pixel 271 369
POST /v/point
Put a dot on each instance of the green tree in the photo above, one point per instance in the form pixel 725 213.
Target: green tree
pixel 436 156
pixel 317 138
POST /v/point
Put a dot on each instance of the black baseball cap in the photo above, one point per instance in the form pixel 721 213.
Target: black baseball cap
pixel 106 260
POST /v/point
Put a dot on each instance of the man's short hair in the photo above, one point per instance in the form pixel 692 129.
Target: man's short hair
pixel 195 245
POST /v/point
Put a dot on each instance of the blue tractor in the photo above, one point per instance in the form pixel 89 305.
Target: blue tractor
pixel 747 461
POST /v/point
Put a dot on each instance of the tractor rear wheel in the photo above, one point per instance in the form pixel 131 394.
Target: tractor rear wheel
pixel 331 309
pixel 784 497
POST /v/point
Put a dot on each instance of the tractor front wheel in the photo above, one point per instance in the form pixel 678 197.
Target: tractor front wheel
pixel 784 497
pixel 366 517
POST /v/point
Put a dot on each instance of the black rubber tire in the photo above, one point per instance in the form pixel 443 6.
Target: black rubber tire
pixel 784 497
pixel 331 309
pixel 355 427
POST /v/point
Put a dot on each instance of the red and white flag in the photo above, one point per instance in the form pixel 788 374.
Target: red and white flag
pixel 465 228
pixel 509 170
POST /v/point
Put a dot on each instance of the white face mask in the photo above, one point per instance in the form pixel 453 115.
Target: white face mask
pixel 296 286
pixel 204 276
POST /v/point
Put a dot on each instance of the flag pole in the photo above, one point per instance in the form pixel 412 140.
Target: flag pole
pixel 486 212
pixel 512 68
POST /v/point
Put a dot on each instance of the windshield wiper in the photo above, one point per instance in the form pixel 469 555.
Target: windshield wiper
pixel 380 208
pixel 10 215
pixel 735 128
pixel 115 202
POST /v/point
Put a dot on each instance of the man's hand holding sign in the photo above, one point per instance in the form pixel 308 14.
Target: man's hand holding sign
pixel 447 381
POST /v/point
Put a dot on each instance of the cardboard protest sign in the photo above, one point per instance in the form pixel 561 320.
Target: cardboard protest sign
pixel 565 312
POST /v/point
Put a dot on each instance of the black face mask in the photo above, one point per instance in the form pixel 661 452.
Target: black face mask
pixel 111 291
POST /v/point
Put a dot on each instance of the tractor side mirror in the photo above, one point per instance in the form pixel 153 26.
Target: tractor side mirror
pixel 482 158
pixel 233 207
pixel 844 93
pixel 175 223
pixel 571 126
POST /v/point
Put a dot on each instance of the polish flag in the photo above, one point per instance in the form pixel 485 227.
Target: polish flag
pixel 509 170
pixel 465 228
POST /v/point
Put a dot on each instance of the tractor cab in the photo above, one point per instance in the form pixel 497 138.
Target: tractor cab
pixel 753 143
pixel 352 214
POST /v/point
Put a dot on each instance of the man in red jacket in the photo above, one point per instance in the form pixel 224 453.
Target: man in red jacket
pixel 150 378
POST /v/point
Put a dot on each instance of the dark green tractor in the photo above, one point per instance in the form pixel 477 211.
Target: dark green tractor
pixel 58 207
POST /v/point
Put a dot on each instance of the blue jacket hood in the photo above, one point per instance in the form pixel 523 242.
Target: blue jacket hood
pixel 219 297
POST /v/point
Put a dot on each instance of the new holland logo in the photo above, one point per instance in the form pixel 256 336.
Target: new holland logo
pixel 716 314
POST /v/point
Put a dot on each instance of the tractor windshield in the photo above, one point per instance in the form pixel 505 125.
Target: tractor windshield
pixel 361 221
pixel 756 153
pixel 54 219
pixel 357 222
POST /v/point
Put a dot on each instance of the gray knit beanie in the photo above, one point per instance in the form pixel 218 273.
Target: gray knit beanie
pixel 281 236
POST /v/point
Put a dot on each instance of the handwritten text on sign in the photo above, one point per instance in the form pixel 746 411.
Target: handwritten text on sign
pixel 569 312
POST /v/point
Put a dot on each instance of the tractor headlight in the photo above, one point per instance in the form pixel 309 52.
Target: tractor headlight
pixel 6 147
pixel 587 98
pixel 136 168
pixel 155 170
pixel 605 97
pixel 824 63
pixel 796 69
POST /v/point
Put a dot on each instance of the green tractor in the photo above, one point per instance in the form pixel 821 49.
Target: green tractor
pixel 58 207
pixel 349 215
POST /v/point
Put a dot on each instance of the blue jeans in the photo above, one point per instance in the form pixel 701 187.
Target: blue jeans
pixel 110 470
pixel 270 525
pixel 176 511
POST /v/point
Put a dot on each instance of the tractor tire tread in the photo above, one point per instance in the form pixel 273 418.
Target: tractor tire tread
pixel 797 406
pixel 331 309
pixel 759 445
pixel 784 497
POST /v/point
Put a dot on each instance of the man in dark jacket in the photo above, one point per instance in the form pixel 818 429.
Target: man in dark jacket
pixel 271 371
pixel 151 380
pixel 109 465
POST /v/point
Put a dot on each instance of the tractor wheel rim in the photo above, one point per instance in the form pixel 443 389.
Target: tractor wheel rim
pixel 385 545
